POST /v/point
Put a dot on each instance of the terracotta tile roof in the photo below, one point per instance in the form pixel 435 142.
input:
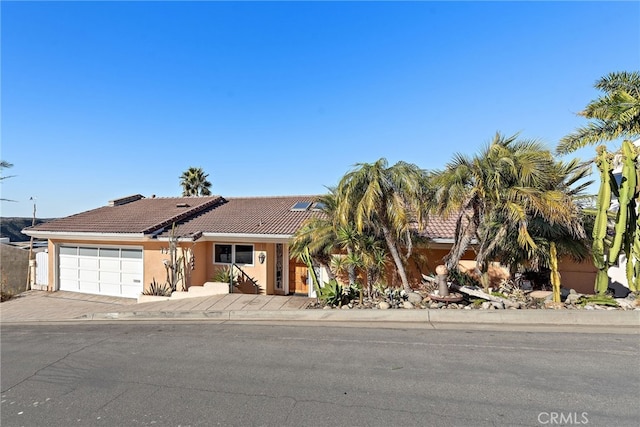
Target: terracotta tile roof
pixel 250 215
pixel 197 215
pixel 144 215
pixel 441 228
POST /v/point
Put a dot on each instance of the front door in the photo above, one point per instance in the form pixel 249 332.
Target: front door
pixel 298 277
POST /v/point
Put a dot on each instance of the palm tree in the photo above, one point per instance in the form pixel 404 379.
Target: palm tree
pixel 373 258
pixel 616 114
pixel 194 182
pixel 497 194
pixel 318 234
pixel 388 202
pixel 570 237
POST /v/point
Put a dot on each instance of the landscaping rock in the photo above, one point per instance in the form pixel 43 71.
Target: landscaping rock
pixel 407 305
pixel 384 305
pixel 497 305
pixel 486 305
pixel 625 303
pixel 573 297
pixel 414 298
pixel 540 294
pixel 553 305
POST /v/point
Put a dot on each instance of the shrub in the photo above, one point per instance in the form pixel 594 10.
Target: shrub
pixel 333 293
pixel 598 300
pixel 158 289
pixel 225 275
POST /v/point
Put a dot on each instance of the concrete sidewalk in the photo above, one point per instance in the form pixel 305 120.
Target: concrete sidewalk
pixel 38 306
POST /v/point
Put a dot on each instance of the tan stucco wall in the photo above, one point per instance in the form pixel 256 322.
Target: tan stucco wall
pixel 578 276
pixel 204 268
pixel 426 260
pixel 259 272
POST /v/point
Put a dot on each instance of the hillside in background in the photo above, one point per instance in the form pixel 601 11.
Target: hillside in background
pixel 11 227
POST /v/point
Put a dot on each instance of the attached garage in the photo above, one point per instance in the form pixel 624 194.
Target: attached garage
pixel 112 271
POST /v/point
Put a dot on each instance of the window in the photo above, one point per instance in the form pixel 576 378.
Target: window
pixel 222 254
pixel 244 254
pixel 227 254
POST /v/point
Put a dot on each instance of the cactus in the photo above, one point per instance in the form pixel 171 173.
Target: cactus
pixel 555 275
pixel 604 163
pixel 625 230
pixel 626 198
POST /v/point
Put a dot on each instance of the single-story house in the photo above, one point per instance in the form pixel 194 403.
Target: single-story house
pixel 121 248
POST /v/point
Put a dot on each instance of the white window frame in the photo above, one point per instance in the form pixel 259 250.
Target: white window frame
pixel 233 253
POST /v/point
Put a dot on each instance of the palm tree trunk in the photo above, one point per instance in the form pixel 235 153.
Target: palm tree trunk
pixel 464 235
pixel 393 250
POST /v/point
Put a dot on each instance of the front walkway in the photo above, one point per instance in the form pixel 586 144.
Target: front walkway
pixel 40 306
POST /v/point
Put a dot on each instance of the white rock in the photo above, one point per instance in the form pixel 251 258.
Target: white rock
pixel 407 305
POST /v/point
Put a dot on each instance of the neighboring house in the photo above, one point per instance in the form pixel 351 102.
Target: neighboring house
pixel 121 248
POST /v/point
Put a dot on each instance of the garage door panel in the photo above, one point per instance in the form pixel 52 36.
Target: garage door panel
pixel 109 265
pixel 112 289
pixel 130 266
pixel 69 284
pixel 88 263
pixel 69 273
pixel 131 279
pixel 90 287
pixel 68 261
pixel 88 275
pixel 109 277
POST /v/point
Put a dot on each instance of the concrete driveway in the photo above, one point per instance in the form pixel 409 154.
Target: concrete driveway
pixel 39 306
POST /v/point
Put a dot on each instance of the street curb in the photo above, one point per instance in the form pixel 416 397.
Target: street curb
pixel 514 317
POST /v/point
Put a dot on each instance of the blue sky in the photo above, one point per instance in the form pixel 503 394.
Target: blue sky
pixel 106 99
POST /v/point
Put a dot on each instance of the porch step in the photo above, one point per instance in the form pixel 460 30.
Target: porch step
pixel 210 288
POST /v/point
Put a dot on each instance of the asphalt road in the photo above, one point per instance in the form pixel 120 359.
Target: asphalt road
pixel 130 374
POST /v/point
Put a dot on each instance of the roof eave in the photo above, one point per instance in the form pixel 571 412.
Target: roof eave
pixel 246 237
pixel 69 235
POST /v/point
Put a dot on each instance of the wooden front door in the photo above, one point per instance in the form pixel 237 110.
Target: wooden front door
pixel 298 277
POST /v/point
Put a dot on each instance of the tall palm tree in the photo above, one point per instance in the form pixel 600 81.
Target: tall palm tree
pixel 616 114
pixel 497 193
pixel 318 234
pixel 194 182
pixel 387 201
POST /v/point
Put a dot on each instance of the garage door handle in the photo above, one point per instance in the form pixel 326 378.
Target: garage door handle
pixel 136 280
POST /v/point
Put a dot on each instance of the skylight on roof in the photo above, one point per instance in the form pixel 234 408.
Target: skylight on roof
pixel 318 206
pixel 301 206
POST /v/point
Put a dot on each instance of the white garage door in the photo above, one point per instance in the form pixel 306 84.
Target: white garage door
pixel 101 270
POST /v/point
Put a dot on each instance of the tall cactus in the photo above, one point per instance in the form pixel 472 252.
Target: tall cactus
pixel 604 162
pixel 627 218
pixel 625 234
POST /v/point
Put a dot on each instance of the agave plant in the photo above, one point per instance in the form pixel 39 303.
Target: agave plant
pixel 158 289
